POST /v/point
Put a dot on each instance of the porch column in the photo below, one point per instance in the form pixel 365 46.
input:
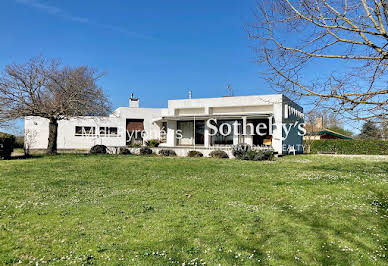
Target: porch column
pixel 235 138
pixel 171 133
pixel 206 135
pixel 248 138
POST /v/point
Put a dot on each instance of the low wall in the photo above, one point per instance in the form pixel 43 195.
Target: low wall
pixel 180 151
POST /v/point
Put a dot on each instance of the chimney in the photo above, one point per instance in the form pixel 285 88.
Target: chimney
pixel 133 102
pixel 319 123
pixel 190 94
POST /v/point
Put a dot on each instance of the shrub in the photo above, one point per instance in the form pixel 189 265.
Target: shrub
pixel 354 146
pixel 269 155
pixel 219 154
pixel 124 150
pixel 135 145
pixel 241 151
pixel 7 143
pixel 98 149
pixel 167 153
pixel 152 143
pixel 194 154
pixel 259 155
pixel 245 152
pixel 19 143
pixel 145 151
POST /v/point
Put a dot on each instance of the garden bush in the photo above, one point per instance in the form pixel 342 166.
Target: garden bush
pixel 19 143
pixel 145 151
pixel 167 153
pixel 7 144
pixel 354 146
pixel 124 150
pixel 194 154
pixel 134 145
pixel 259 155
pixel 245 152
pixel 219 154
pixel 98 149
pixel 152 143
pixel 241 151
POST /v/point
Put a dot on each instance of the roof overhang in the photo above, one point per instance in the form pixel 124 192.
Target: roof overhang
pixel 218 116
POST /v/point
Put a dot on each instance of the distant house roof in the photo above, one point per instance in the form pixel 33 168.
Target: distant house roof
pixel 331 133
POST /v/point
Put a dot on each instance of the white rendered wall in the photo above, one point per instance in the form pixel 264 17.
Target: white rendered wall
pixel 36 129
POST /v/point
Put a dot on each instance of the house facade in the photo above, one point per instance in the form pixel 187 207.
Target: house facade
pixel 185 125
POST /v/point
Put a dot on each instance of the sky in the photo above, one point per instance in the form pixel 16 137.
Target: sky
pixel 156 49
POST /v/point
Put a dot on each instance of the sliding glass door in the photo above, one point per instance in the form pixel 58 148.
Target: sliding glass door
pixel 191 134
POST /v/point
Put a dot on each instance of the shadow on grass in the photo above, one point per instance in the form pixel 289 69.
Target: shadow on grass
pixel 24 157
pixel 330 252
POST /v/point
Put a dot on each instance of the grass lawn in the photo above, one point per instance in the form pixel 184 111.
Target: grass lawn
pixel 152 210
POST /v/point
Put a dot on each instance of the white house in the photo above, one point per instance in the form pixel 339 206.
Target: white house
pixel 185 125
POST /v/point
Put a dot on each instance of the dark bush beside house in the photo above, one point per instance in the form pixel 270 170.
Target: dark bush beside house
pixel 152 143
pixel 245 152
pixel 98 149
pixel 145 151
pixel 219 154
pixel 124 150
pixel 167 153
pixel 19 143
pixel 240 151
pixel 194 154
pixel 7 143
pixel 355 146
pixel 259 155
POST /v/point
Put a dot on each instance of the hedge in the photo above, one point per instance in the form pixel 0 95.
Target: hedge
pixel 7 143
pixel 355 146
pixel 19 143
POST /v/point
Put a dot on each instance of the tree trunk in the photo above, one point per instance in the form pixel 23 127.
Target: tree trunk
pixel 53 134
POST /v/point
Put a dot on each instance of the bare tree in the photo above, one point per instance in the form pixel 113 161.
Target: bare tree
pixel 333 52
pixel 45 88
pixel 29 140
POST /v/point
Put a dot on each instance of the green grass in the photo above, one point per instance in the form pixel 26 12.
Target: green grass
pixel 154 210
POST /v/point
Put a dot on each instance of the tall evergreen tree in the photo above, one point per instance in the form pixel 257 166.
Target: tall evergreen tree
pixel 370 131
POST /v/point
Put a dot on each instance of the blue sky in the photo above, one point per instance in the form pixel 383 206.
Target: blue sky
pixel 157 49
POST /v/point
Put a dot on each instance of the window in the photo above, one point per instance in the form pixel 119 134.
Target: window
pixel 163 133
pixel 108 131
pixel 220 139
pixel 85 131
pixel 187 130
pixel 192 133
pixel 199 132
pixel 134 130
